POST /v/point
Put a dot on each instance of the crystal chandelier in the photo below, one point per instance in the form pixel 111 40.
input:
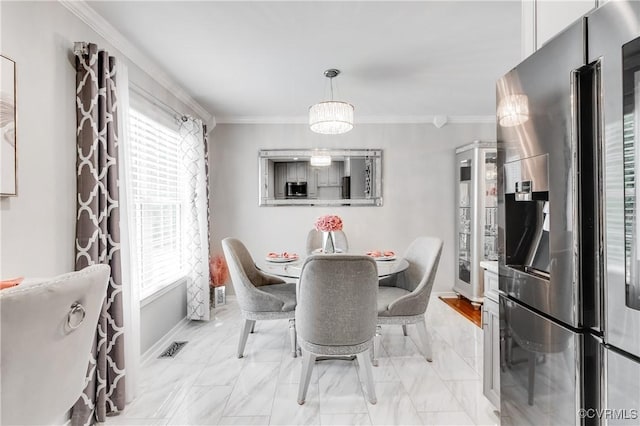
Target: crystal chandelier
pixel 331 117
pixel 513 110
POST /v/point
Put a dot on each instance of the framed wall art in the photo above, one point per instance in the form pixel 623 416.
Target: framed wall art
pixel 8 141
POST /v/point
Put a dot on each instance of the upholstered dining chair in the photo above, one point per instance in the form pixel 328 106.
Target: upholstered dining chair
pixel 260 296
pixel 314 241
pixel 336 313
pixel 403 300
pixel 48 328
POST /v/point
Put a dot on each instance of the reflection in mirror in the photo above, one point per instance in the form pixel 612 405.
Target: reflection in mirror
pixel 347 177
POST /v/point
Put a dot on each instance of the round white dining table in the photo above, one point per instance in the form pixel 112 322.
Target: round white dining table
pixel 292 269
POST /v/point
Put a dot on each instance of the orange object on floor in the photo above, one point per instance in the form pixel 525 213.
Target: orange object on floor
pixel 465 308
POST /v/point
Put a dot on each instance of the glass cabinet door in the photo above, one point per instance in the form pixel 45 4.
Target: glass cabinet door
pixel 491 209
pixel 464 217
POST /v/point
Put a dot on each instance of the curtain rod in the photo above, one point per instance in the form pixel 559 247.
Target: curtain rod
pixel 157 102
pixel 82 48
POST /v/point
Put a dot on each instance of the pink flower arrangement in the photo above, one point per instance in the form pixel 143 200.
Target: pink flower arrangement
pixel 329 222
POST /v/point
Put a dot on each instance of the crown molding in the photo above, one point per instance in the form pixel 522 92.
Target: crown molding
pixel 400 119
pixel 95 21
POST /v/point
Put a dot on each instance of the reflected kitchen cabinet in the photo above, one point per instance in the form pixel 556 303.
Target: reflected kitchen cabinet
pixel 312 181
pixel 280 179
pixel 297 171
pixel 332 175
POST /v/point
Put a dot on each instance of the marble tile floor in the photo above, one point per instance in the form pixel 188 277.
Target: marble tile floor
pixel 205 384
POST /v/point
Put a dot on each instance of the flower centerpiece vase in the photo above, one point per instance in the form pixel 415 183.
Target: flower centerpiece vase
pixel 328 242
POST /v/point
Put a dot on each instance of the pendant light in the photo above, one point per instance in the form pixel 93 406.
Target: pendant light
pixel 513 110
pixel 331 117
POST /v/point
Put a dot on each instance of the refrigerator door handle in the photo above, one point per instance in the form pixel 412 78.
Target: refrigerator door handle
pixel 599 250
pixel 576 191
pixel 587 215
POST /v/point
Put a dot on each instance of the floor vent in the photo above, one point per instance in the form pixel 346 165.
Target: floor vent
pixel 172 350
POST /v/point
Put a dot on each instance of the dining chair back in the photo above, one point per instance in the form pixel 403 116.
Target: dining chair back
pixel 48 328
pixel 336 313
pixel 260 296
pixel 314 241
pixel 404 301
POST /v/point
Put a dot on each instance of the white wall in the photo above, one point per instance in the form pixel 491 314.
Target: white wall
pixel 418 187
pixel 37 228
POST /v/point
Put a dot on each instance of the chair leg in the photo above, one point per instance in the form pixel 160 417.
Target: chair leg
pixel 364 361
pixel 246 329
pixel 404 329
pixel 426 340
pixel 376 346
pixel 253 328
pixel 292 336
pixel 308 360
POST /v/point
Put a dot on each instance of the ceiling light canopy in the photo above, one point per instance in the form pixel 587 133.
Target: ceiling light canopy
pixel 513 110
pixel 331 117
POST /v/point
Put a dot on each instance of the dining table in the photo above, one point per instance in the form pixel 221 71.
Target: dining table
pixel 291 268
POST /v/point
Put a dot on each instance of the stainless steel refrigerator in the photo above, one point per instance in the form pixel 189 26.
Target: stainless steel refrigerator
pixel 568 225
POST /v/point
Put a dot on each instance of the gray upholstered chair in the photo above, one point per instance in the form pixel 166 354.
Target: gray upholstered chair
pixel 336 313
pixel 260 296
pixel 48 328
pixel 314 241
pixel 403 300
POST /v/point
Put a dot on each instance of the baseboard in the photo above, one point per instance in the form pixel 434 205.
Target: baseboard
pixel 444 294
pixel 157 348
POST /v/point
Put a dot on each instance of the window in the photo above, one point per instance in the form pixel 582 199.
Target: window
pixel 157 193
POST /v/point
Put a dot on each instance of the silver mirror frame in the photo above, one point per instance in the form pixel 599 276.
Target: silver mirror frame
pixel 267 198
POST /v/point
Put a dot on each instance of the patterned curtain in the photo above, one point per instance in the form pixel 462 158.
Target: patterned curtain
pixel 197 240
pixel 97 228
pixel 205 140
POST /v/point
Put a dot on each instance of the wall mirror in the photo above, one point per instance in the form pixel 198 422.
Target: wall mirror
pixel 331 177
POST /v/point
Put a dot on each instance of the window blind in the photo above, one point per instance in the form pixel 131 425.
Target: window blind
pixel 156 183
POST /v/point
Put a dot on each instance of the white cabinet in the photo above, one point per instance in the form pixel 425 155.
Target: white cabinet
pixel 554 16
pixel 491 355
pixel 492 340
pixel 332 175
pixel 280 178
pixel 543 19
pixel 297 171
pixel 336 171
pixel 490 279
pixel 477 227
pixel 312 182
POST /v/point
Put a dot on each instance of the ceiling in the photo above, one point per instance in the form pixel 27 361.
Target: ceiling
pixel 264 61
